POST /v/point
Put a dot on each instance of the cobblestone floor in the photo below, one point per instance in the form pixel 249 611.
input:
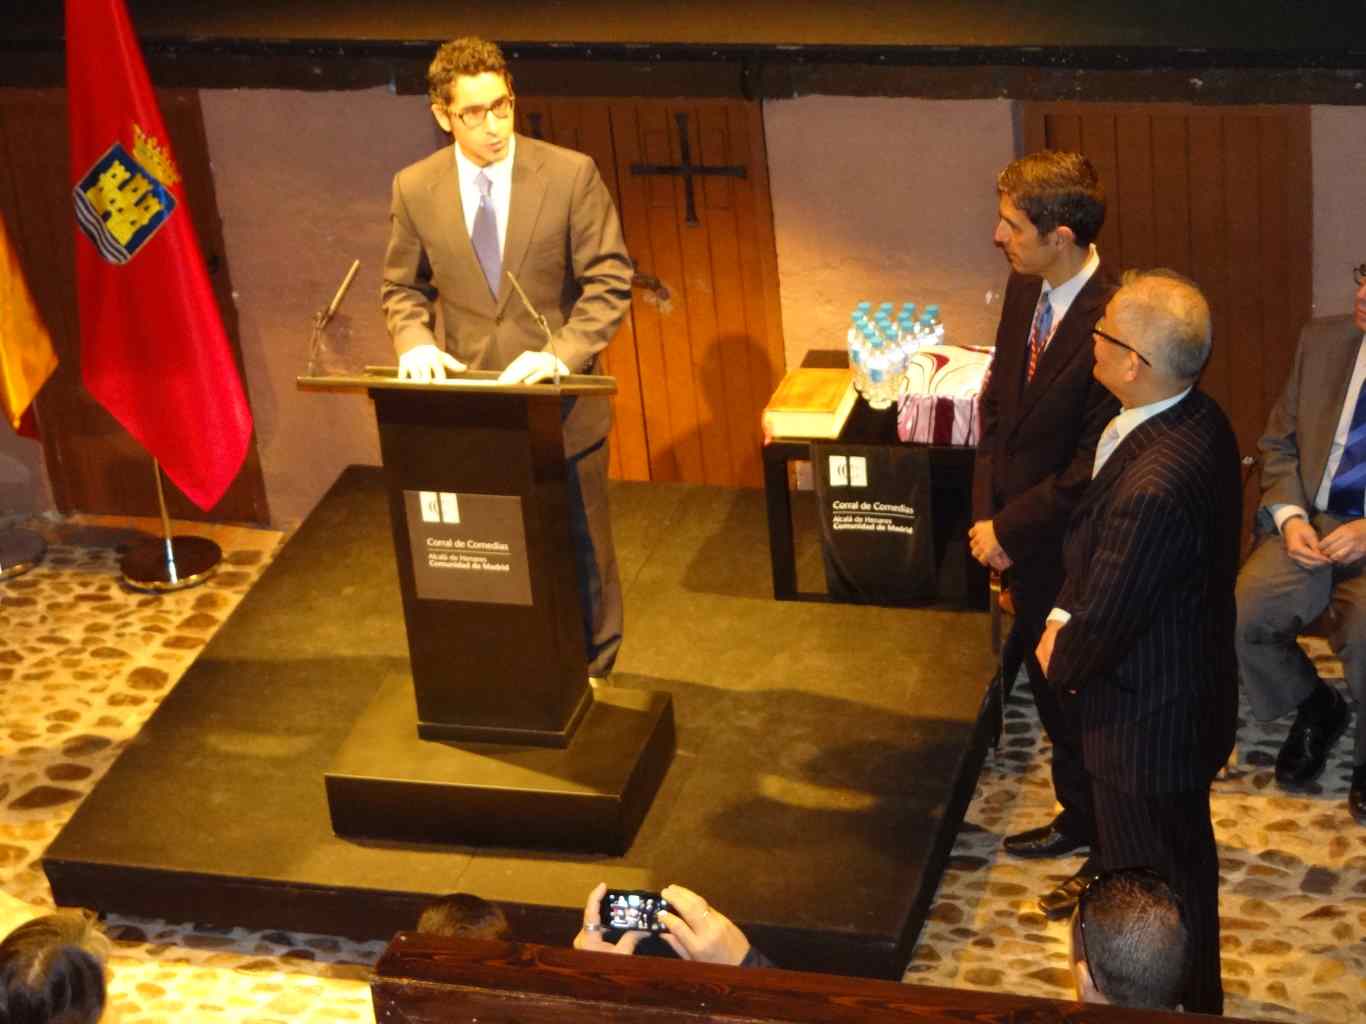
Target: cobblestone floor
pixel 1292 898
pixel 83 662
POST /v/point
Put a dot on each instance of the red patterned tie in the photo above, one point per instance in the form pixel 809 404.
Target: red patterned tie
pixel 1038 334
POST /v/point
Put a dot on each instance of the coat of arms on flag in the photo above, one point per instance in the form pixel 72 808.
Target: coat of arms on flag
pixel 125 197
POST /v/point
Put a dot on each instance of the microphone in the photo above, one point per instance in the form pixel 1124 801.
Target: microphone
pixel 549 337
pixel 317 348
pixel 331 311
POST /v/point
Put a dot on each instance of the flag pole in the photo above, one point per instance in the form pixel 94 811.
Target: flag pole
pixel 169 562
pixel 20 551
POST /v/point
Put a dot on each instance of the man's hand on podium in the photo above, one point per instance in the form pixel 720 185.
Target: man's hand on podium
pixel 530 367
pixel 425 363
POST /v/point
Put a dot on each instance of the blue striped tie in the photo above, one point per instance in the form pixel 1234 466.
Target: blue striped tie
pixel 485 235
pixel 1349 482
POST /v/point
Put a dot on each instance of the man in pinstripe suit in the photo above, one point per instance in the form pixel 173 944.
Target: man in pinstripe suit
pixel 1141 640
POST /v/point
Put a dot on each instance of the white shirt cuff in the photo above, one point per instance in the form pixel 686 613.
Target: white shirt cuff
pixel 1281 513
pixel 1059 616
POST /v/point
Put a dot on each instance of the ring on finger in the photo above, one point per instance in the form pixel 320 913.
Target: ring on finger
pixel 590 927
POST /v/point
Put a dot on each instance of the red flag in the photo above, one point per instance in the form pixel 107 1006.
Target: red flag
pixel 153 348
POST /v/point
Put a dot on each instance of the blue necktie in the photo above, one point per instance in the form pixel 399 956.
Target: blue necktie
pixel 1038 334
pixel 1349 482
pixel 485 235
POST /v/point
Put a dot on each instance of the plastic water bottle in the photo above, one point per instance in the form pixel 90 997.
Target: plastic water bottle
pixel 936 325
pixel 856 344
pixel 906 336
pixel 897 359
pixel 867 352
pixel 877 393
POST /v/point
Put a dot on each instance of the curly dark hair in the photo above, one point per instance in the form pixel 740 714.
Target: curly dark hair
pixel 1056 189
pixel 468 55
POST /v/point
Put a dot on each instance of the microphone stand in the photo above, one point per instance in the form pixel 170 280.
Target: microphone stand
pixel 540 320
pixel 324 316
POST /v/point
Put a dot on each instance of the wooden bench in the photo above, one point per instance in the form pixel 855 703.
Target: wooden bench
pixel 424 979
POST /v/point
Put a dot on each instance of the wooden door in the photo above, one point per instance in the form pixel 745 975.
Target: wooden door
pixel 704 341
pixel 93 463
pixel 1225 196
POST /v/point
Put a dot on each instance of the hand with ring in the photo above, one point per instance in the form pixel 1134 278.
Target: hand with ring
pixel 590 936
pixel 699 932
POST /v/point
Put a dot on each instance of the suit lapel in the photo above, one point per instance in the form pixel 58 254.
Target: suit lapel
pixel 450 214
pixel 1133 444
pixel 1333 375
pixel 1070 335
pixel 528 190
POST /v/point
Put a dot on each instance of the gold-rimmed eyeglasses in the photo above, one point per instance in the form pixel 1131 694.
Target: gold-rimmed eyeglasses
pixel 473 117
pixel 1122 344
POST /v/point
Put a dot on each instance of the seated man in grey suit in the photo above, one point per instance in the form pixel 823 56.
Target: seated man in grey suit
pixel 497 202
pixel 1312 551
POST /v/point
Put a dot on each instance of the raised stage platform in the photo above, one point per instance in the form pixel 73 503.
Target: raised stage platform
pixel 826 752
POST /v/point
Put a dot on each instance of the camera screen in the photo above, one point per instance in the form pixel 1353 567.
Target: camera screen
pixel 626 910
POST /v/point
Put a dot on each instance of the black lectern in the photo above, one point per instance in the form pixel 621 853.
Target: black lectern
pixel 498 737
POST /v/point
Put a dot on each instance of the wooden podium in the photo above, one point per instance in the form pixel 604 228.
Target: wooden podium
pixel 497 736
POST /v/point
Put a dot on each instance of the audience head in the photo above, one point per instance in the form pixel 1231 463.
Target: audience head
pixel 1154 338
pixel 1130 943
pixel 1059 192
pixel 465 916
pixel 52 970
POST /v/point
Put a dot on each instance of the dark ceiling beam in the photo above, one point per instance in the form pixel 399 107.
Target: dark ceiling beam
pixel 1198 50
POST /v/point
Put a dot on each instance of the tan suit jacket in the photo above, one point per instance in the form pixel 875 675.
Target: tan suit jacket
pixel 1299 432
pixel 563 242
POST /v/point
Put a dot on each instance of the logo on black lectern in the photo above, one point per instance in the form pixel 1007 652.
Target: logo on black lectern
pixel 468 547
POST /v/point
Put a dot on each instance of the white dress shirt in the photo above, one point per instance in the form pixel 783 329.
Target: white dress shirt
pixel 1280 513
pixel 1061 297
pixel 500 174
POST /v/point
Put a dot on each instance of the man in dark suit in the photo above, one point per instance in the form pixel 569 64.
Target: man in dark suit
pixel 1312 551
pixel 1140 643
pixel 498 201
pixel 1042 412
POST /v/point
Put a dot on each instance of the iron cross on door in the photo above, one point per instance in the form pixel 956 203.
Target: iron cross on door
pixel 686 169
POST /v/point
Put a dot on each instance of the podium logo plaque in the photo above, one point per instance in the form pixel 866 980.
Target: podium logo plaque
pixel 468 547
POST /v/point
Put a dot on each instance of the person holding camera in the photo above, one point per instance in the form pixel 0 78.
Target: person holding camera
pixel 692 929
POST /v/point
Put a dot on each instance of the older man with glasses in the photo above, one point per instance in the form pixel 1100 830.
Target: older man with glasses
pixel 464 221
pixel 1139 646
pixel 1311 552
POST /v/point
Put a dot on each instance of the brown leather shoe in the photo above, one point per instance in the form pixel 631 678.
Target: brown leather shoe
pixel 1045 841
pixel 1060 903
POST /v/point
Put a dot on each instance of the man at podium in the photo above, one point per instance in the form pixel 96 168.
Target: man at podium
pixel 460 220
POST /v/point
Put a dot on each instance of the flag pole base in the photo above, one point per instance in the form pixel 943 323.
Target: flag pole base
pixel 20 551
pixel 159 565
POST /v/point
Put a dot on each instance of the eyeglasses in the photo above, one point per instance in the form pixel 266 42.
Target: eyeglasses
pixel 1122 344
pixel 1145 876
pixel 1359 274
pixel 473 117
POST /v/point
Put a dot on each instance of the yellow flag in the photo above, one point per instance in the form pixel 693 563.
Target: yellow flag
pixel 26 356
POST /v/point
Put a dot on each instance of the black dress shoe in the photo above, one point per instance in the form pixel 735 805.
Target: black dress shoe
pixel 1046 841
pixel 1311 739
pixel 1060 903
pixel 1356 796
